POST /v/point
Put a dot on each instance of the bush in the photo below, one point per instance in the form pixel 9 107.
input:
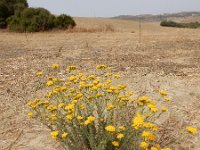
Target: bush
pixel 64 22
pixel 192 25
pixel 31 20
pixel 3 23
pixel 38 19
pixel 9 8
pixel 95 112
pixel 18 17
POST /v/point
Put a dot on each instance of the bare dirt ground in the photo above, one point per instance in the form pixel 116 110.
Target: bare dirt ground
pixel 165 58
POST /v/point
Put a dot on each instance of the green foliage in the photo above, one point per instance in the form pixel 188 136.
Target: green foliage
pixel 192 25
pixel 38 19
pixel 31 20
pixel 63 22
pixel 2 23
pixel 9 8
pixel 100 113
pixel 16 15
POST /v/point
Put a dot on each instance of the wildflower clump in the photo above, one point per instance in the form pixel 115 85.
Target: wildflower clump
pixel 96 112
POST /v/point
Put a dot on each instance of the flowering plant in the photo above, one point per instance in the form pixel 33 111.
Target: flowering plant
pixel 93 111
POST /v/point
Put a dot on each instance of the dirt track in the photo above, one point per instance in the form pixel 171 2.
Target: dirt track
pixel 165 58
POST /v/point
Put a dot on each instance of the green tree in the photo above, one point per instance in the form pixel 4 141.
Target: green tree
pixel 31 20
pixel 9 8
pixel 64 22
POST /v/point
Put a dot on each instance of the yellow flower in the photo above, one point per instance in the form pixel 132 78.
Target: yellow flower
pixel 91 77
pixel 95 82
pixel 148 136
pixel 55 66
pixel 143 100
pixel 101 119
pixel 70 107
pixel 101 67
pixel 79 117
pixel 54 117
pixel 166 149
pixel 157 146
pixel 130 93
pixel 78 96
pixel 167 99
pixel 115 143
pixel 117 76
pixel 164 109
pixel 144 145
pixel 54 134
pixel 154 148
pixel 109 91
pixel 149 125
pixel 138 121
pixel 108 81
pixel 94 88
pixel 120 135
pixel 110 106
pixel 71 68
pixel 69 117
pixel 30 114
pixel 52 107
pixel 49 83
pixel 55 79
pixel 72 90
pixel 82 107
pixel 113 88
pixel 61 105
pixel 162 92
pixel 39 73
pixel 46 101
pixel 83 78
pixel 122 128
pixel 110 128
pixel 121 86
pixel 64 88
pixel 191 130
pixel 73 78
pixel 64 135
pixel 152 107
pixel 89 120
pixel 99 95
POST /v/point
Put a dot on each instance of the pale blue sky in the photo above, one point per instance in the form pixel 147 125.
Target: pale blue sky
pixel 109 8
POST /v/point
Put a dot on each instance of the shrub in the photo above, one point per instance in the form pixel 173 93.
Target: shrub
pixel 170 24
pixel 9 8
pixel 31 20
pixel 93 112
pixel 64 22
pixel 18 17
pixel 2 23
pixel 193 25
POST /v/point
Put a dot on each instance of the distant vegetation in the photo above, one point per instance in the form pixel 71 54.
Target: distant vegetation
pixel 17 16
pixel 192 25
pixel 155 18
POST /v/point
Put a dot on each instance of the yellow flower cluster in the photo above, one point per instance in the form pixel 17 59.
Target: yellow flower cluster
pixel 89 120
pixel 110 129
pixel 98 111
pixel 55 66
pixel 191 130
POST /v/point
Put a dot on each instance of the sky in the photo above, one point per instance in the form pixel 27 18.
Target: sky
pixel 110 8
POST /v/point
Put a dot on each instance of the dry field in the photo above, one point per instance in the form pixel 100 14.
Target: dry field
pixel 163 58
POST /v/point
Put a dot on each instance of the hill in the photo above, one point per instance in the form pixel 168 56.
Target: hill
pixel 181 16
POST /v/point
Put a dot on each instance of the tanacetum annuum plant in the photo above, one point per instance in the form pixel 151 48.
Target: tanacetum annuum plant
pixel 92 112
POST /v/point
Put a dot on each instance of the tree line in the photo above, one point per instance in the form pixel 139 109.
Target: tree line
pixel 17 16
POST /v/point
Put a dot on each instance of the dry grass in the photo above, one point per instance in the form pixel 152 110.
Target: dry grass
pixel 105 28
pixel 165 58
